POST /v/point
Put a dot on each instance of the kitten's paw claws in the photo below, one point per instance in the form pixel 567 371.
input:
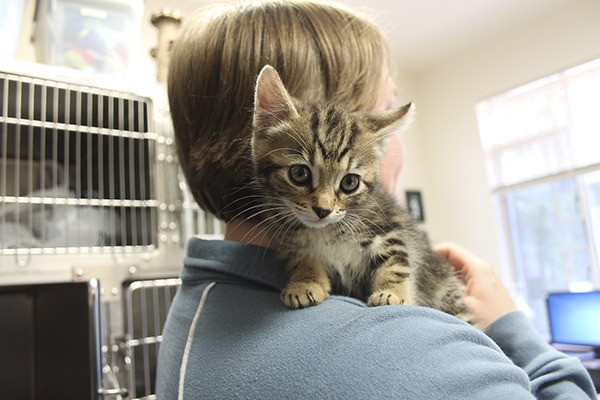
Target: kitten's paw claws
pixel 302 294
pixel 384 298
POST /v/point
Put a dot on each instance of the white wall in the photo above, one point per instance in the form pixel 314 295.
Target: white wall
pixel 457 200
pixel 413 173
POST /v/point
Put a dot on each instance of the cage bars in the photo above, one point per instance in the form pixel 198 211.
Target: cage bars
pixel 76 170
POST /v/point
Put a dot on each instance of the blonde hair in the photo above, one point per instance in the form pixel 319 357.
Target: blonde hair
pixel 321 51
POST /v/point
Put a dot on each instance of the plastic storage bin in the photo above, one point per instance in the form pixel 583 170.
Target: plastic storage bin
pixel 100 36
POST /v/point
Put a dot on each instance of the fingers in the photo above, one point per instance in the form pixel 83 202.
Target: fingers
pixel 485 294
pixel 453 253
pixel 463 261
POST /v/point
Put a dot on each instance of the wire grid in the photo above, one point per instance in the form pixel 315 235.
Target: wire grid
pixel 76 168
pixel 146 306
pixel 189 216
pixel 197 222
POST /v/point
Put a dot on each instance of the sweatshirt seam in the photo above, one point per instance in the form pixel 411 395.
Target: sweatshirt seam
pixel 190 339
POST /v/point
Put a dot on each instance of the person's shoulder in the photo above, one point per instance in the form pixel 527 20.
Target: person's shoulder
pixel 397 322
pixel 390 314
pixel 396 344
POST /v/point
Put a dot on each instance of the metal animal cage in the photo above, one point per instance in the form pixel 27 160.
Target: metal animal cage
pixel 146 306
pixel 77 168
pixel 90 188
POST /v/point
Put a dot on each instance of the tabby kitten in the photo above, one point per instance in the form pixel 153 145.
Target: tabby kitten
pixel 338 230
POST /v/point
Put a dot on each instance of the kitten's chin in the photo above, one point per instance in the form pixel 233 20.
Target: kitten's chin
pixel 312 222
pixel 320 224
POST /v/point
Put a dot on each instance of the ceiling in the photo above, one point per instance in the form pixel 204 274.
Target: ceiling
pixel 425 31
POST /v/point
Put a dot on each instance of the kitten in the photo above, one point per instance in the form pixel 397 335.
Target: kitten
pixel 338 230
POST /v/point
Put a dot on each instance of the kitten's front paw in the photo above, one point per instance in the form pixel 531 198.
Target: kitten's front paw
pixel 303 294
pixel 385 298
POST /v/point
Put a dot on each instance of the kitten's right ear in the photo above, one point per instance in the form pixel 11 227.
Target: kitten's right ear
pixel 272 102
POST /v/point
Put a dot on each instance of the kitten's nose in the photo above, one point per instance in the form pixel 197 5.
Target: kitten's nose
pixel 321 212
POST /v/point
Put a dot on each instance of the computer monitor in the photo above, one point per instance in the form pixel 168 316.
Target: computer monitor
pixel 575 318
pixel 50 341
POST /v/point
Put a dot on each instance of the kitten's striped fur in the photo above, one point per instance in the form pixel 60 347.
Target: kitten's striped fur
pixel 327 214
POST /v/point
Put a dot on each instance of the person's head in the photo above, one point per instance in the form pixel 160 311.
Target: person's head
pixel 321 51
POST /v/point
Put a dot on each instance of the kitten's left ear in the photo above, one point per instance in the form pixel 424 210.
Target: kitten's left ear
pixel 383 123
pixel 272 102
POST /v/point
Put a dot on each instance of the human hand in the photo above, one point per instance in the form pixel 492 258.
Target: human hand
pixel 485 294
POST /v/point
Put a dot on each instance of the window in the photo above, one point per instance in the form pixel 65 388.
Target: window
pixel 542 148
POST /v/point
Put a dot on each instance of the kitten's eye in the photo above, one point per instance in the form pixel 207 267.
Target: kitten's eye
pixel 350 183
pixel 300 174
